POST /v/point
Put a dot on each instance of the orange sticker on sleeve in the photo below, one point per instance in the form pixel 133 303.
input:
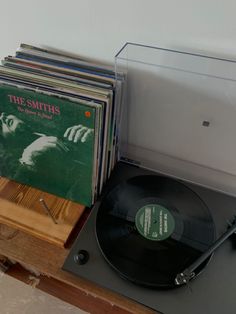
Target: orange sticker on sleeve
pixel 87 114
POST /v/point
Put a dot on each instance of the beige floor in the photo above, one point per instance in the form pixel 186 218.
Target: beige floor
pixel 18 298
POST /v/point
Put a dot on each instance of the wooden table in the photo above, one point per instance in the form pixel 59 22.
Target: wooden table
pixel 47 259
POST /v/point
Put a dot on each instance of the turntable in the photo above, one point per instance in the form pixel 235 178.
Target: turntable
pixel 162 232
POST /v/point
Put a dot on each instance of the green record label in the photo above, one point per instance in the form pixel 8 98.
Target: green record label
pixel 154 222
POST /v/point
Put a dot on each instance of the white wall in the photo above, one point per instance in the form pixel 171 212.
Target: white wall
pixel 98 28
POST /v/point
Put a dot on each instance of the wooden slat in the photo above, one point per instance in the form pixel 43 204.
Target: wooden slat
pixel 21 209
pixel 66 293
pixel 48 259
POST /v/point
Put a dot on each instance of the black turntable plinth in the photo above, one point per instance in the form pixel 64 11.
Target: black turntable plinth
pixel 146 229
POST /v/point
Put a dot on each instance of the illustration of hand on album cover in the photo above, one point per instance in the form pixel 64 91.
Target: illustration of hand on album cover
pixel 29 145
pixel 75 134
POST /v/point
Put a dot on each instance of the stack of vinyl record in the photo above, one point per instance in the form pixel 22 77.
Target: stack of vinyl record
pixel 58 122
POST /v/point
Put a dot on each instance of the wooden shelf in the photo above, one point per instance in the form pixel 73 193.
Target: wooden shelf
pixel 29 237
pixel 48 260
pixel 20 208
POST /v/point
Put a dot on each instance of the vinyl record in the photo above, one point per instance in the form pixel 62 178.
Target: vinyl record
pixel 150 228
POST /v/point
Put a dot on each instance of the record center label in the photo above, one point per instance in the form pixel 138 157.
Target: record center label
pixel 154 222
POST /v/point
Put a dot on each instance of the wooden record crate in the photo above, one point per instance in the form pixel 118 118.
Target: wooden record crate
pixel 21 209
